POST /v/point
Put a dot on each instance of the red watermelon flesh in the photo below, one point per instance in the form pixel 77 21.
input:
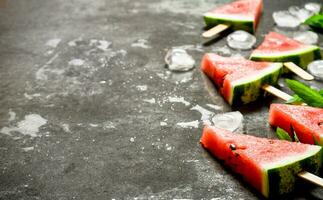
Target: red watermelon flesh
pixel 240 10
pixel 228 72
pixel 260 160
pixel 306 121
pixel 279 48
pixel 278 43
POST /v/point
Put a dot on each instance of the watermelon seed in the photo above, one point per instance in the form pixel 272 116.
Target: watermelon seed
pixel 233 147
pixel 320 124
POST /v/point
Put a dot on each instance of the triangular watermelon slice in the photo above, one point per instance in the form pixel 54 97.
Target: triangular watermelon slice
pixel 305 121
pixel 279 48
pixel 240 15
pixel 268 165
pixel 238 79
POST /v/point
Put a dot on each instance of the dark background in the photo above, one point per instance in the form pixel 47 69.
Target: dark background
pixel 102 140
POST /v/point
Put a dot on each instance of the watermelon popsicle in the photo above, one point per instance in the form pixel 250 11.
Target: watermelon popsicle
pixel 279 48
pixel 238 15
pixel 240 81
pixel 270 166
pixel 305 121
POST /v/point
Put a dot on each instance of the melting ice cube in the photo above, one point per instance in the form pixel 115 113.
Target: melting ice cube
pixel 314 7
pixel 223 51
pixel 286 19
pixel 179 60
pixel 316 69
pixel 301 13
pixel 307 37
pixel 230 121
pixel 241 40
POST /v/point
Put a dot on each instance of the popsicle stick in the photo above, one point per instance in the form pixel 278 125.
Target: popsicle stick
pixel 215 30
pixel 299 71
pixel 311 178
pixel 276 92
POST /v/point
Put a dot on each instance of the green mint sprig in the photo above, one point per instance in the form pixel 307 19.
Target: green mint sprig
pixel 316 22
pixel 283 135
pixel 305 94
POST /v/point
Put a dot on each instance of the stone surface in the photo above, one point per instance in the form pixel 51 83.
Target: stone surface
pixel 80 124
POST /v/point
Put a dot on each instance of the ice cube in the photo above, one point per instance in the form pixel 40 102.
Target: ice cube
pixel 304 27
pixel 316 69
pixel 231 121
pixel 223 51
pixel 285 31
pixel 178 59
pixel 302 13
pixel 306 37
pixel 241 40
pixel 314 7
pixel 286 19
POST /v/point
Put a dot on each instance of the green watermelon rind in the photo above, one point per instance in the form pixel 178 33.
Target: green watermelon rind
pixel 250 89
pixel 281 177
pixel 299 57
pixel 235 24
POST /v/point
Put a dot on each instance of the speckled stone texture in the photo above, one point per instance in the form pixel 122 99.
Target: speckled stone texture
pixel 86 102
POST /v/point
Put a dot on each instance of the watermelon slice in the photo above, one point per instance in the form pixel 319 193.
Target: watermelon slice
pixel 268 165
pixel 240 15
pixel 279 48
pixel 305 121
pixel 238 79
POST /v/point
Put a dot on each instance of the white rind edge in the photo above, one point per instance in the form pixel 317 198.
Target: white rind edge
pixel 285 53
pixel 240 18
pixel 272 68
pixel 312 150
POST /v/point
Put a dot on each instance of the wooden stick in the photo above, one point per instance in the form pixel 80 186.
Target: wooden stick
pixel 276 92
pixel 299 71
pixel 215 30
pixel 311 178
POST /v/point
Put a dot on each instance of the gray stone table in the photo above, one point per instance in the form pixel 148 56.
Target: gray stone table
pixel 86 102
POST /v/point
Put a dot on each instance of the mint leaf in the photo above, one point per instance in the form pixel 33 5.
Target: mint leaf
pixel 295 100
pixel 321 92
pixel 283 135
pixel 316 22
pixel 310 96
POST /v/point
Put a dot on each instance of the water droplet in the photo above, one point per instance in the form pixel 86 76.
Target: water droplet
pixel 142 43
pixel 163 124
pixel 76 62
pixel 192 124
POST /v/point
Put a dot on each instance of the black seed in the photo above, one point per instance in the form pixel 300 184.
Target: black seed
pixel 233 147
